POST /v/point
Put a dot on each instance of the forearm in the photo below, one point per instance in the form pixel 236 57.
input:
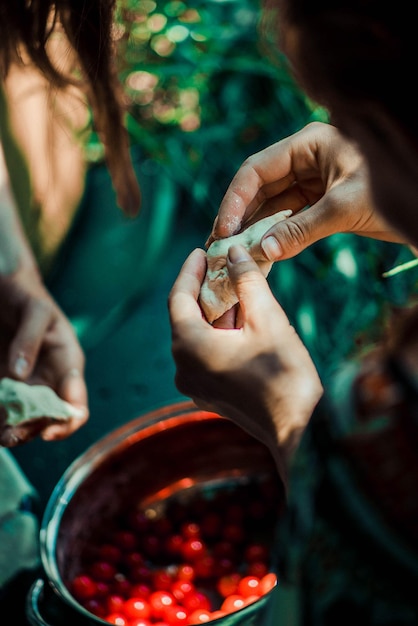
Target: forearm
pixel 15 251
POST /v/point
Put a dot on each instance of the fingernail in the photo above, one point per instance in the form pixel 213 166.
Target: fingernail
pixel 21 365
pixel 238 254
pixel 271 248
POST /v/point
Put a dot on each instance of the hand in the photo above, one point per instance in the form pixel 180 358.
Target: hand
pixel 251 368
pixel 38 346
pixel 316 168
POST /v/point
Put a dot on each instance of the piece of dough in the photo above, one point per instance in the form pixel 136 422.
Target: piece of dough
pixel 217 294
pixel 25 410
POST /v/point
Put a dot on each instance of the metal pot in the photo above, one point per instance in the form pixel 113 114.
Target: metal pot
pixel 175 449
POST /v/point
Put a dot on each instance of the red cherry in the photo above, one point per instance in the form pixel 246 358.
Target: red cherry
pixel 173 545
pixel 205 566
pixel 162 580
pixel 125 540
pixel 224 567
pixel 102 570
pixel 140 621
pixel 257 568
pixel 228 585
pixel 159 601
pixel 83 587
pixel 211 525
pixel 217 614
pixel 95 606
pixel 233 533
pixel 141 590
pixel 200 616
pixel 180 589
pixel 249 586
pixel 251 599
pixel 102 589
pixel 224 549
pixel 163 527
pixel 151 545
pixel 267 583
pixel 256 552
pixel 115 603
pixel 190 530
pixel 185 572
pixel 117 618
pixel 196 600
pixel 137 607
pixel 133 559
pixel 193 549
pixel 141 574
pixel 176 615
pixel 232 603
pixel 110 553
pixel 121 585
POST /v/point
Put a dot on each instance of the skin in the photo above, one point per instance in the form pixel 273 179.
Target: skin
pixel 37 342
pixel 253 369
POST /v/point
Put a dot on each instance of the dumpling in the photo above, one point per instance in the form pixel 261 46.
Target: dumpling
pixel 217 294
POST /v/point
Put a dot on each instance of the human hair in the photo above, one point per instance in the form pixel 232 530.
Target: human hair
pixel 26 27
pixel 349 52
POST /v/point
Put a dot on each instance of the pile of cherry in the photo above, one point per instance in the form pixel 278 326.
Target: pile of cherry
pixel 200 559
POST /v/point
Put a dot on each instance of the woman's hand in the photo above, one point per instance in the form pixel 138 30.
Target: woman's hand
pixel 315 169
pixel 38 346
pixel 251 368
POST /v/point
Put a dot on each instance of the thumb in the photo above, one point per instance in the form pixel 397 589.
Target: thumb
pixel 248 281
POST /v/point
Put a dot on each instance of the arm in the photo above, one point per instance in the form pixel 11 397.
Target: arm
pixel 315 168
pixel 37 342
pixel 253 369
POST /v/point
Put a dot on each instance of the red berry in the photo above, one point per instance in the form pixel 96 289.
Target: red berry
pixel 83 587
pixel 117 618
pixel 190 530
pixel 137 607
pixel 205 566
pixel 139 521
pixel 140 621
pixel 256 552
pixel 133 559
pixel 185 572
pixel 141 590
pixel 115 603
pixel 110 553
pixel 125 540
pixel 200 616
pixel 162 580
pixel 121 585
pixel 232 603
pixel 196 600
pixel 257 568
pixel 249 586
pixel 152 545
pixel 193 549
pixel 228 585
pixel 102 570
pixel 173 545
pixel 176 615
pixel 180 589
pixel 159 602
pixel 95 606
pixel 267 583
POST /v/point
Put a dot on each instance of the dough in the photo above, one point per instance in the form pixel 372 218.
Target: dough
pixel 217 294
pixel 25 410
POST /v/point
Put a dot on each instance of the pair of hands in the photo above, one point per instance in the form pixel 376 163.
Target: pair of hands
pixel 250 365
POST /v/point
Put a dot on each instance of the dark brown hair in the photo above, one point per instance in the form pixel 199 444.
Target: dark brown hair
pixel 28 24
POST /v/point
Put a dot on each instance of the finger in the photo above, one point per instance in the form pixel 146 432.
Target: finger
pixel 25 346
pixel 288 238
pixel 251 287
pixel 249 188
pixel 184 295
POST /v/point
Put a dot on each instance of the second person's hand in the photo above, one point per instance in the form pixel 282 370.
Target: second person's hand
pixel 315 169
pixel 257 372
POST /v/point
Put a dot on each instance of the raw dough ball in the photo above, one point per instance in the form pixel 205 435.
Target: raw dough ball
pixel 25 410
pixel 217 294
